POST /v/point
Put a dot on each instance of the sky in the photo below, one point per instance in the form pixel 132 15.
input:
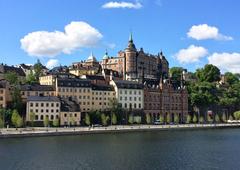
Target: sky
pixel 190 33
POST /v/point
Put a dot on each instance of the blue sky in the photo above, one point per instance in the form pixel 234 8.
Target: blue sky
pixel 156 25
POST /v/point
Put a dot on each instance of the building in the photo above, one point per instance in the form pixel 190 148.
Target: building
pixel 135 64
pixel 36 90
pixel 4 93
pixel 89 67
pixel 102 96
pixel 43 107
pixel 70 114
pixel 129 94
pixel 78 89
pixel 50 78
pixel 8 69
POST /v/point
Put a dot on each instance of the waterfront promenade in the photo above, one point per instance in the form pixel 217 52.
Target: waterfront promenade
pixel 44 131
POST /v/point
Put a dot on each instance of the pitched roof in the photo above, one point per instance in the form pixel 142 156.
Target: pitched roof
pixel 6 69
pixel 69 105
pixel 102 87
pixel 74 83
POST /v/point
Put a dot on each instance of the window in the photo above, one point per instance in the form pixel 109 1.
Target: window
pixel 75 115
pixel 139 106
pixel 36 117
pixel 47 104
pixel 47 110
pixel 41 117
pixel 31 104
pixel 57 110
pixel 65 115
pixel 36 110
pixel 52 117
pixel 121 98
pixel 57 104
pixel 52 105
pixel 41 110
pixel 36 104
pixel 42 104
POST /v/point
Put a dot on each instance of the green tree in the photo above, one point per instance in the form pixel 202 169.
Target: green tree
pixel 224 118
pixel 130 119
pixel 32 118
pixel 148 118
pixel 195 118
pixel 176 74
pixel 217 118
pixel 46 121
pixel 168 118
pixel 31 78
pixel 12 78
pixel 114 119
pixel 72 121
pixel 19 122
pixel 15 117
pixel 201 119
pixel 176 118
pixel 161 118
pixel 231 78
pixel 1 122
pixel 56 122
pixel 87 119
pixel 189 118
pixel 209 73
pixel 38 67
pixel 236 115
pixel 103 119
pixel 138 119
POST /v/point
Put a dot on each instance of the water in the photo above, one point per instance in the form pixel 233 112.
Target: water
pixel 190 149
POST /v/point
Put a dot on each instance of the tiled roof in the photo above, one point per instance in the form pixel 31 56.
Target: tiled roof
pixel 6 69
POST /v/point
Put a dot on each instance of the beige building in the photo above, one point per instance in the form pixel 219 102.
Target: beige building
pixel 50 79
pixel 37 90
pixel 70 114
pixel 4 93
pixel 129 94
pixel 42 107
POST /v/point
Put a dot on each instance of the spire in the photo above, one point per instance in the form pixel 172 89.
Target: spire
pixel 106 52
pixel 130 37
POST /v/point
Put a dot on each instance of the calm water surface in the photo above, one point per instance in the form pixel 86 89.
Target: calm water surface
pixel 193 149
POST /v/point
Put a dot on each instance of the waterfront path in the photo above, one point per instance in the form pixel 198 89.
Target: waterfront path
pixel 43 131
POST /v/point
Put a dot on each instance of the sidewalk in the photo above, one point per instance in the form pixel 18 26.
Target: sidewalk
pixel 42 131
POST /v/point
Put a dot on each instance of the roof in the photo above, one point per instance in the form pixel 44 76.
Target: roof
pixel 91 58
pixel 69 105
pixel 73 83
pixel 28 67
pixel 43 98
pixel 94 77
pixel 6 69
pixel 124 84
pixel 37 87
pixel 102 87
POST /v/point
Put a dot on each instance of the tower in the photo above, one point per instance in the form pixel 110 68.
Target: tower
pixel 131 59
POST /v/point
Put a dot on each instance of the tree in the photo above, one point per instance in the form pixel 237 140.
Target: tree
pixel 72 121
pixel 148 118
pixel 176 75
pixel 231 78
pixel 103 119
pixel 209 73
pixel 217 118
pixel 201 119
pixel 15 117
pixel 1 122
pixel 38 69
pixel 224 118
pixel 31 78
pixel 195 118
pixel 176 118
pixel 189 118
pixel 114 119
pixel 56 122
pixel 130 119
pixel 236 115
pixel 19 122
pixel 87 119
pixel 12 78
pixel 161 118
pixel 46 121
pixel 138 119
pixel 168 118
pixel 32 118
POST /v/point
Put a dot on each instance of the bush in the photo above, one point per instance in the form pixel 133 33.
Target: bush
pixel 236 115
pixel 148 118
pixel 224 118
pixel 217 118
pixel 114 119
pixel 130 119
pixel 189 118
pixel 46 121
pixel 195 118
pixel 56 123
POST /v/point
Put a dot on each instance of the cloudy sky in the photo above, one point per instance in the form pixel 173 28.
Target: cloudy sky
pixel 190 33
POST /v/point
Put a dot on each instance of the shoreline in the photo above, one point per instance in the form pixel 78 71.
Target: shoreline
pixel 42 131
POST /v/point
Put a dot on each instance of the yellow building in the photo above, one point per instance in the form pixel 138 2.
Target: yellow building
pixel 70 114
pixel 37 90
pixel 43 107
pixel 4 94
pixel 50 79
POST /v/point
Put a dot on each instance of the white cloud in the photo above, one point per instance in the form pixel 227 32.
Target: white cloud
pixel 204 31
pixel 226 61
pixel 136 5
pixel 52 63
pixel 191 54
pixel 49 44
